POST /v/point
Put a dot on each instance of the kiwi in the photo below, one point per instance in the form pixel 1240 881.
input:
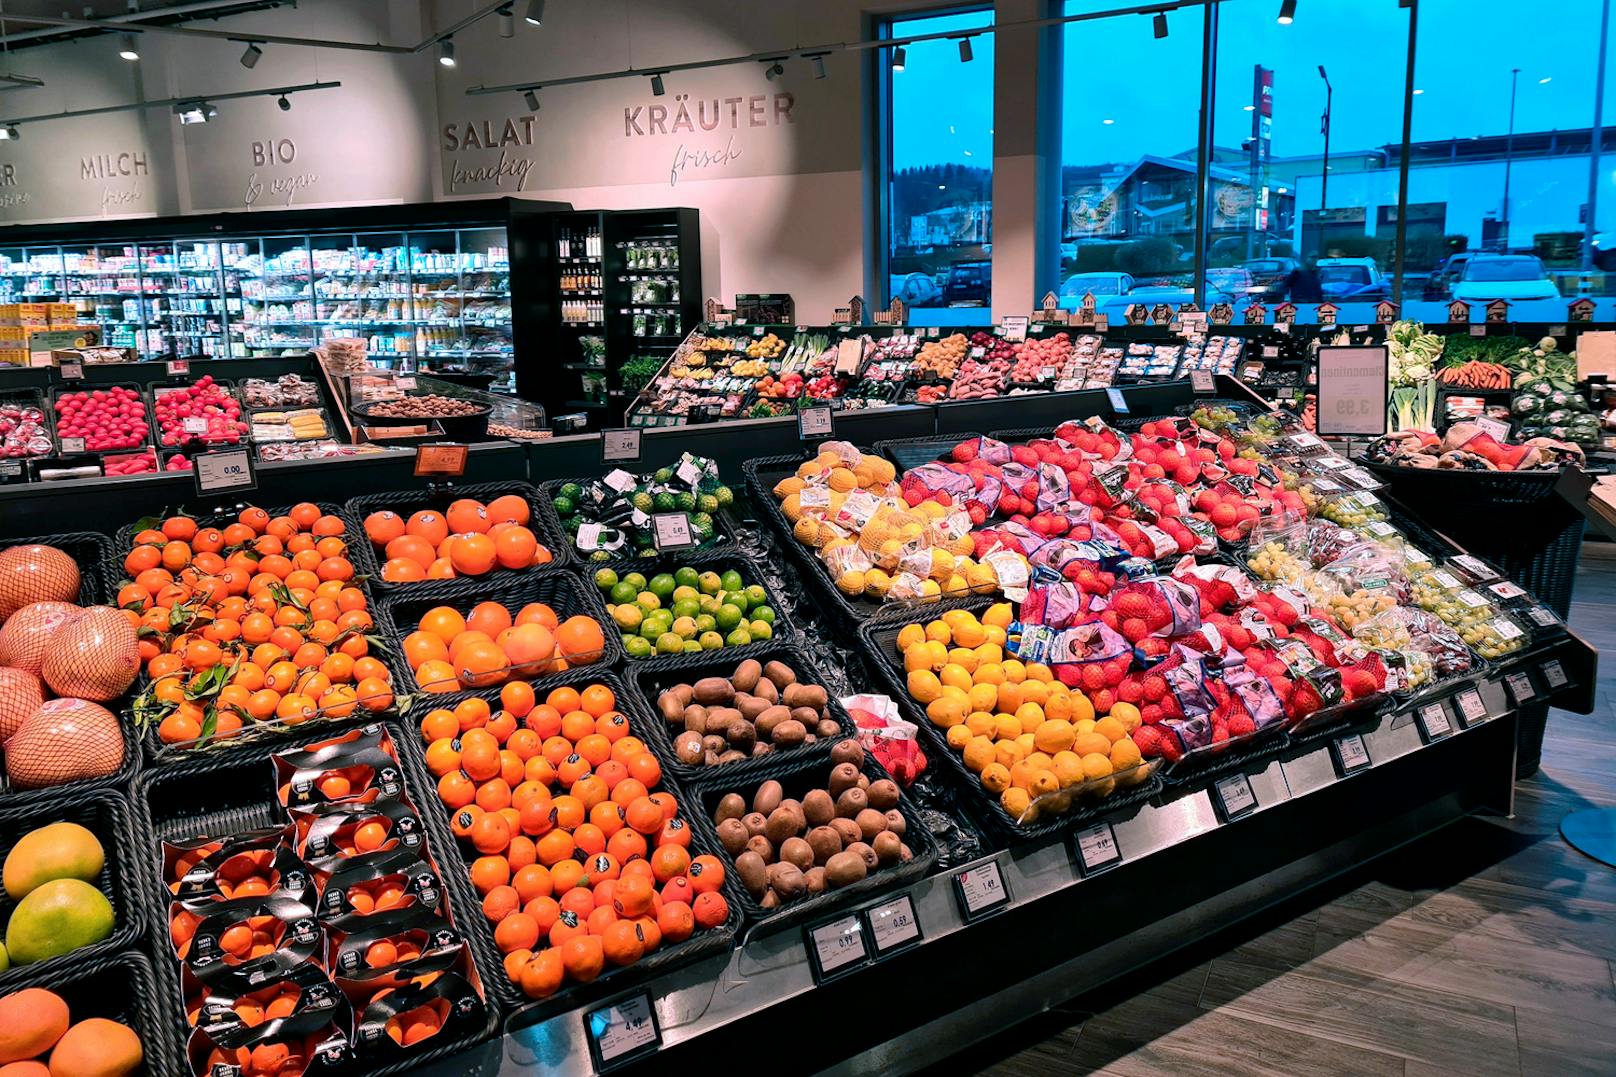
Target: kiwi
pixel 673 711
pixel 742 736
pixel 783 823
pixel 696 719
pixel 689 748
pixel 867 852
pixel 768 797
pixel 896 822
pixel 753 872
pixel 847 830
pixel 817 807
pixel 780 674
pixel 824 843
pixel 769 900
pixel 683 693
pixel 731 756
pixel 851 802
pixel 713 690
pixel 883 794
pixel 815 878
pixel 888 847
pixel 760 845
pixel 787 880
pixel 804 695
pixel 797 851
pixel 730 806
pixel 788 734
pixel 713 742
pixel 870 822
pixel 843 776
pixel 746 675
pixel 770 717
pixel 733 834
pixel 828 727
pixel 806 715
pixel 845 869
pixel 847 751
pixel 756 822
pixel 751 707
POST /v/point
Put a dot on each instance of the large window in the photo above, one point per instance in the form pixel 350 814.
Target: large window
pixel 940 171
pixel 1128 149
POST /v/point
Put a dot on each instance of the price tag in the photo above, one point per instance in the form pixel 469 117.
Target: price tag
pixel 1520 686
pixel 227 470
pixel 1472 708
pixel 194 425
pixel 441 459
pixel 72 445
pixel 1270 351
pixel 1506 629
pixel 1102 322
pixel 1119 403
pixel 71 369
pixel 836 948
pixel 1476 567
pixel 619 481
pixel 1235 797
pixel 1554 674
pixel 1201 381
pixel 1505 589
pixel 1542 617
pixel 1557 330
pixel 1434 722
pixel 178 368
pixel 757 330
pixel 1015 327
pixel 1351 754
pixel 893 925
pixel 1496 427
pixel 10 469
pixel 405 382
pixel 815 423
pixel 672 531
pixel 980 891
pixel 621 1032
pixel 620 445
pixel 1478 330
pixel 1096 849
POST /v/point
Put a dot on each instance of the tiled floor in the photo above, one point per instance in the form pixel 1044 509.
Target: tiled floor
pixel 1487 948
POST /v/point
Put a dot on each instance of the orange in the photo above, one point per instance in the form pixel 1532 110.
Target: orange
pixel 581 640
pixel 595 748
pixel 515 547
pixel 489 617
pixel 263 703
pixel 644 768
pixel 706 873
pixel 583 956
pixel 439 724
pixel 555 847
pixel 176 555
pixel 710 908
pixel 445 622
pixel 518 931
pixel 633 895
pixel 645 816
pixel 517 698
pixel 522 852
pixel 441 755
pixel 373 694
pixel 255 518
pixel 456 790
pixel 613 726
pixel 676 921
pixel 537 613
pixel 178 728
pixel 669 861
pixel 329 527
pixel 564 699
pixel 309 655
pixel 473 554
pixel 295 709
pixel 500 902
pixel 473 713
pixel 428 525
pixel 488 872
pixel 339 701
pixel 542 976
pixel 420 647
pixel 411 548
pixel 467 515
pixel 338 667
pixel 532 882
pixel 335 568
pixel 509 507
pixel 628 846
pixel 530 648
pixel 480 665
pixel 621 943
pixel 523 743
pixel 331 547
pixel 492 834
pixel 440 569
pixel 597 699
pixel 494 795
pixel 304 513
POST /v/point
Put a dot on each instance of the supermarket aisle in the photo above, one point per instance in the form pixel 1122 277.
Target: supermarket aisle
pixel 1488 948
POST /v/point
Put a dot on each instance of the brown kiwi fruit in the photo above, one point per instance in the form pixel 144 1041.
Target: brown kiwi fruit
pixel 851 802
pixel 870 823
pixel 843 776
pixel 844 869
pixel 818 808
pixel 752 871
pixel 848 751
pixel 768 797
pixel 824 842
pixel 732 833
pixel 746 675
pixel 865 850
pixel 883 794
pixel 730 806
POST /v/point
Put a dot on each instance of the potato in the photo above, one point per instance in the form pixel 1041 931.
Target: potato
pixel 788 734
pixel 731 806
pixel 828 728
pixel 783 823
pixel 804 695
pixel 851 802
pixel 896 822
pixel 815 878
pixel 905 854
pixel 806 715
pixel 870 823
pixel 673 711
pixel 865 850
pixel 888 847
pixel 768 797
pixel 760 845
pixel 714 743
pixel 733 834
pixel 824 843
pixel 688 747
pixel 683 693
pixel 746 675
pixel 797 851
pixel 731 756
pixel 762 747
pixel 753 872
pixel 847 830
pixel 845 869
pixel 883 794
pixel 847 751
pixel 756 822
pixel 780 674
pixel 750 706
pixel 769 900
pixel 818 808
pixel 771 717
pixel 696 719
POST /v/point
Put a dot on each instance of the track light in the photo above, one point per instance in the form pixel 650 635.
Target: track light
pixel 250 58
pixel 446 52
pixel 965 50
pixel 127 49
pixel 657 89
pixel 774 70
pixel 285 103
pixel 532 99
pixel 9 133
pixel 818 62
pixel 535 12
pixel 195 112
pixel 507 23
pixel 1287 12
pixel 1159 25
pixel 897 58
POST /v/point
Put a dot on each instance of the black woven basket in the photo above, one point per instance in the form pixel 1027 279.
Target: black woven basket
pixel 457 867
pixel 784 630
pixel 648 680
pixel 106 815
pixel 398 615
pixel 1200 765
pixel 726 526
pixel 407 502
pixel 231 794
pixel 91 551
pixel 906 453
pixel 123 539
pixel 880 641
pixel 119 987
pixel 796 777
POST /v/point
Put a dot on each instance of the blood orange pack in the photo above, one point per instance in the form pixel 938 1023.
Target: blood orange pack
pixel 358 765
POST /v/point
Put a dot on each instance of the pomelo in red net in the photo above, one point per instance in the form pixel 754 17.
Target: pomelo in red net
pixel 36 573
pixel 94 656
pixel 65 740
pixel 21 694
pixel 28 633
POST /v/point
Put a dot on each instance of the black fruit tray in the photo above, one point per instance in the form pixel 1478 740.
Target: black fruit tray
pixel 726 525
pixel 117 987
pixel 91 550
pixel 70 792
pixel 906 453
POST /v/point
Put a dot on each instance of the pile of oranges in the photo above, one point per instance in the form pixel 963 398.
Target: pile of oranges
pixel 581 862
pixel 468 539
pixel 449 651
pixel 258 621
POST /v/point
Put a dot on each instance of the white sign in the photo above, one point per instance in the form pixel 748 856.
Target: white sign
pixel 1496 427
pixel 405 382
pixel 623 1029
pixel 72 445
pixel 194 425
pixel 1352 752
pixel 1476 567
pixel 1353 389
pixel 1234 792
pixel 1520 686
pixel 838 944
pixel 1097 848
pixel 1201 381
pixel 1555 674
pixel 1434 720
pixel 1119 403
pixel 814 423
pixel 893 925
pixel 620 444
pixel 72 369
pixel 619 481
pixel 226 470
pixel 1015 327
pixel 178 367
pixel 981 889
pixel 673 531
pixel 1471 706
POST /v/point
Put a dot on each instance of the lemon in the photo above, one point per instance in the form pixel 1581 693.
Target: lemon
pixel 924 685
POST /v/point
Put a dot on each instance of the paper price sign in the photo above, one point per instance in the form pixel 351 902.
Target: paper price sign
pixel 893 925
pixel 72 445
pixel 72 369
pixel 1554 674
pixel 980 891
pixel 1235 797
pixel 1201 381
pixel 620 445
pixel 1119 403
pixel 194 425
pixel 1015 327
pixel 405 382
pixel 1520 686
pixel 622 1032
pixel 1353 388
pixel 1434 722
pixel 442 460
pixel 1351 754
pixel 672 531
pixel 178 367
pixel 1096 849
pixel 225 471
pixel 815 423
pixel 836 948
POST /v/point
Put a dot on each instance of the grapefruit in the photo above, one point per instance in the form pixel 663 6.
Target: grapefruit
pixel 57 851
pixel 35 574
pixel 96 1047
pixel 21 694
pixel 57 918
pixel 28 633
pixel 65 740
pixel 94 657
pixel 31 1021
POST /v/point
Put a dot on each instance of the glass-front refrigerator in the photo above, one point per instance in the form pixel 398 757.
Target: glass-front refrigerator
pixel 184 303
pixel 361 291
pixel 105 282
pixel 277 297
pixel 30 274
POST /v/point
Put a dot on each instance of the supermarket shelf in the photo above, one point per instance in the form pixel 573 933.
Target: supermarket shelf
pixel 587 404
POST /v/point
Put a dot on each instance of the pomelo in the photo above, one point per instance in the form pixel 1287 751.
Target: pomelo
pixel 21 694
pixel 94 656
pixel 65 740
pixel 28 633
pixel 57 918
pixel 35 573
pixel 57 851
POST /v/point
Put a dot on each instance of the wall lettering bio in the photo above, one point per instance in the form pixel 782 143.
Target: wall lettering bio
pixel 712 114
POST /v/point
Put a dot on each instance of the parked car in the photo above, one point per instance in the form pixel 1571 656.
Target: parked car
pixel 1354 279
pixel 1605 250
pixel 1102 285
pixel 968 284
pixel 1268 276
pixel 1068 253
pixel 1440 282
pixel 916 290
pixel 1228 285
pixel 1504 276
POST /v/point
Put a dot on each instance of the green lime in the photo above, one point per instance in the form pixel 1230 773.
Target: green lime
pixel 686 576
pixel 727 617
pixel 686 607
pixel 661 585
pixel 738 638
pixel 692 646
pixel 711 583
pixel 684 591
pixel 648 600
pixel 764 614
pixel 635 580
pixel 756 595
pixel 685 627
pixel 622 591
pixel 628 616
pixel 638 647
pixel 711 641
pixel 669 643
pixel 706 622
pixel 731 581
pixel 605 579
pixel 761 630
pixel 709 603
pixel 736 599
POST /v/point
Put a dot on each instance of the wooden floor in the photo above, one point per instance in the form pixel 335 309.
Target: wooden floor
pixel 1487 948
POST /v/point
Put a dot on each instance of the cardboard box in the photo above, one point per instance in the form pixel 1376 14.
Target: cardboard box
pixel 24 313
pixel 14 356
pixel 42 342
pixel 65 315
pixel 14 333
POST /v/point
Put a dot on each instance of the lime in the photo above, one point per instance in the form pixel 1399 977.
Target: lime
pixel 764 614
pixel 709 603
pixel 661 585
pixel 686 607
pixel 685 627
pixel 692 646
pixel 669 643
pixel 731 581
pixel 606 579
pixel 628 616
pixel 638 647
pixel 736 599
pixel 756 595
pixel 706 622
pixel 684 591
pixel 711 641
pixel 738 638
pixel 622 591
pixel 761 630
pixel 635 580
pixel 648 600
pixel 711 583
pixel 686 577
pixel 727 617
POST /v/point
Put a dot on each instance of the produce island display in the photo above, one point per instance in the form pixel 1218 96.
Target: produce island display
pixel 1150 659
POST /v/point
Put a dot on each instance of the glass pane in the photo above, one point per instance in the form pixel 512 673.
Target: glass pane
pixel 278 297
pixel 1287 97
pixel 435 281
pixel 940 203
pixel 486 305
pixel 361 290
pixel 241 259
pixel 182 296
pixel 106 282
pixel 1128 166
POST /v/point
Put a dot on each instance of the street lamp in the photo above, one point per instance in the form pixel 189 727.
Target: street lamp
pixel 1324 128
pixel 1509 153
